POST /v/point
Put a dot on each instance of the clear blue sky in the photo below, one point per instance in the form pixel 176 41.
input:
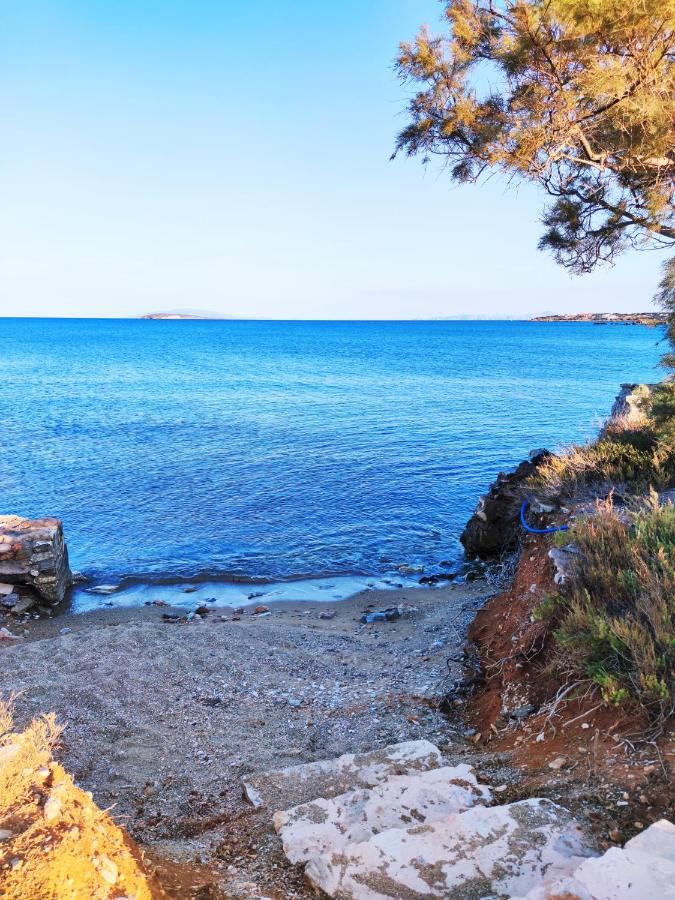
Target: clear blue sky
pixel 233 156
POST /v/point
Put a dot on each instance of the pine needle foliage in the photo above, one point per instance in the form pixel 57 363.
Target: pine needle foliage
pixel 575 95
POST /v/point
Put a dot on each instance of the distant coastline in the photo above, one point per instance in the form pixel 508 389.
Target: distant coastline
pixel 175 316
pixel 645 318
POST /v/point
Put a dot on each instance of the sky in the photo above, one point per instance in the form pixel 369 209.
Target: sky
pixel 234 157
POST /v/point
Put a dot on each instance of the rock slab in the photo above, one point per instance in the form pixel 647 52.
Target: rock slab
pixel 326 825
pixel 500 851
pixel 294 785
pixel 643 870
pixel 33 553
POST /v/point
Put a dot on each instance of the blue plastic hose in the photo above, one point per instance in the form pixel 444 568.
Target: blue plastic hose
pixel 538 530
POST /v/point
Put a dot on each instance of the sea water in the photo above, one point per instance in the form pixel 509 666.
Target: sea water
pixel 252 452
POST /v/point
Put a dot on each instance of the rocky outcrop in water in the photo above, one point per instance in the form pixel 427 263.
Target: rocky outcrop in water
pixel 493 528
pixel 33 554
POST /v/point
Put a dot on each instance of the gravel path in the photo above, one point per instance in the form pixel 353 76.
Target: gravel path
pixel 162 719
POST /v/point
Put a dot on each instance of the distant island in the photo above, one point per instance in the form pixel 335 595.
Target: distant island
pixel 645 318
pixel 184 314
pixel 175 316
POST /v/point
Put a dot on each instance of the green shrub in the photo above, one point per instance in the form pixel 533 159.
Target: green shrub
pixel 616 626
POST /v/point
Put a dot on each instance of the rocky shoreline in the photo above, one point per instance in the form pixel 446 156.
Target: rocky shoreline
pixel 646 318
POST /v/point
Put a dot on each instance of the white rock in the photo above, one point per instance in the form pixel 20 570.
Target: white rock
pixel 500 850
pixel 643 870
pixel 657 840
pixel 283 788
pixel 402 801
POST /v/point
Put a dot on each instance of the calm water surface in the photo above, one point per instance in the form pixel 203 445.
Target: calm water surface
pixel 275 450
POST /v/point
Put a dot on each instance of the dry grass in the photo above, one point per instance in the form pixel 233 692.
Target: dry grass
pixel 615 624
pixel 60 844
pixel 627 457
pixel 21 755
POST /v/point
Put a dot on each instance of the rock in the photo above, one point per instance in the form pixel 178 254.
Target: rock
pixel 522 712
pixel 6 590
pixel 494 527
pixel 33 552
pixel 6 835
pixel 566 561
pixel 629 408
pixel 329 825
pixel 65 630
pixel 261 610
pixel 327 778
pixel 7 635
pixel 557 763
pixel 327 614
pixel 645 868
pixel 22 604
pixel 54 804
pixel 438 577
pixel 501 851
pixel 107 869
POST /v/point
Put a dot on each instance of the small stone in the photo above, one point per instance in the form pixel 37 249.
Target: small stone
pixel 501 789
pixel 295 703
pixel 52 807
pixel 108 869
pixel 65 630
pixel 615 835
pixel 6 835
pixel 638 824
pixel 328 614
pixel 7 635
pixel 261 610
pixel 522 712
pixel 557 763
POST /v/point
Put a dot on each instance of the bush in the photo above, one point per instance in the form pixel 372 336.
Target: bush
pixel 616 626
pixel 634 461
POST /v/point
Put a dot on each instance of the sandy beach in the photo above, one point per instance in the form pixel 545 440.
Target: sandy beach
pixel 162 719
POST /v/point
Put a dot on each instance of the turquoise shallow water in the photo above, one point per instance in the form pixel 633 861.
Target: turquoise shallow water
pixel 276 450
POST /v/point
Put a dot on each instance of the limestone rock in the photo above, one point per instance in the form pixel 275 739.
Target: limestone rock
pixel 630 405
pixel 327 825
pixel 494 527
pixel 566 561
pixel 33 553
pixel 501 851
pixel 645 868
pixel 292 786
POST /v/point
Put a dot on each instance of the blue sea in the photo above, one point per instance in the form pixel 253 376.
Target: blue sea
pixel 242 451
